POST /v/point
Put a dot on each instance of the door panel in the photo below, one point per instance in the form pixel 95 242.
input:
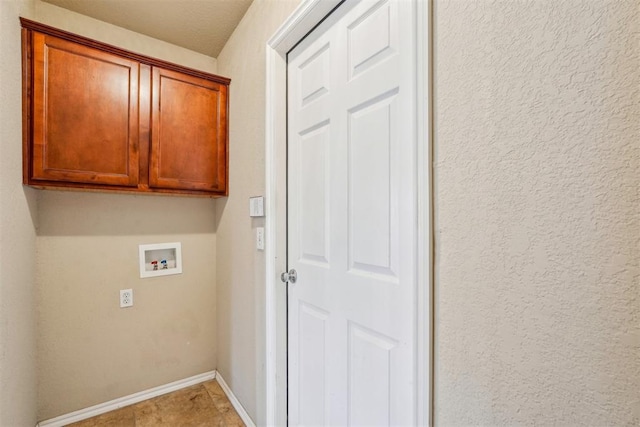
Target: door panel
pixel 373 188
pixel 352 218
pixel 311 359
pixel 372 37
pixel 369 376
pixel 314 76
pixel 314 193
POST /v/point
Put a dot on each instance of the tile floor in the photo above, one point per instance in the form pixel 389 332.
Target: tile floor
pixel 203 405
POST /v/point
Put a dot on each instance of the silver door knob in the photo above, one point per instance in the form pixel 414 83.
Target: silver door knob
pixel 290 277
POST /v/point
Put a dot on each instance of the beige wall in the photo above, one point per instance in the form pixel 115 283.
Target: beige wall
pixel 80 24
pixel 537 162
pixel 240 273
pixel 17 236
pixel 89 350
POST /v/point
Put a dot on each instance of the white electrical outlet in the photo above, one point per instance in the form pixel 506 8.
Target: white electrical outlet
pixel 126 298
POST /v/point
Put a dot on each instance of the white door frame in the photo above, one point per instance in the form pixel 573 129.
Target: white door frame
pixel 308 14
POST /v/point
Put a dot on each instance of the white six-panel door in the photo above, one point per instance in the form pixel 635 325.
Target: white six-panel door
pixel 352 219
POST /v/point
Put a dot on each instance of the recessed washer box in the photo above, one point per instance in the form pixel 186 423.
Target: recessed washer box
pixel 160 259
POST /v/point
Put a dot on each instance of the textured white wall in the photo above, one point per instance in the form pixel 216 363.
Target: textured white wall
pixel 18 220
pixel 240 272
pixel 89 350
pixel 537 164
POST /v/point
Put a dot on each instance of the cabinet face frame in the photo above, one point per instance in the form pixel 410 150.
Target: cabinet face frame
pixel 142 133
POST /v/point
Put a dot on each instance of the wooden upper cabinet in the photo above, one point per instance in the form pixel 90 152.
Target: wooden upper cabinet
pixel 189 130
pixel 85 114
pixel 101 118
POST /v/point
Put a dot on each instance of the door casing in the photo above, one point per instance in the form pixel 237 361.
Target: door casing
pixel 308 14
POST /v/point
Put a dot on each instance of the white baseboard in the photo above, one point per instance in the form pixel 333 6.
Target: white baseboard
pixel 112 405
pixel 235 402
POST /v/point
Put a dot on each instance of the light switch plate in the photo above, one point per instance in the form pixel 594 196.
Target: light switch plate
pixel 256 206
pixel 260 238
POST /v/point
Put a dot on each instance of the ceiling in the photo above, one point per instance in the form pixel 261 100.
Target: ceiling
pixel 199 25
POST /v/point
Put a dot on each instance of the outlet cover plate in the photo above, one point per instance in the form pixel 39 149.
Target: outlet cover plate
pixel 126 298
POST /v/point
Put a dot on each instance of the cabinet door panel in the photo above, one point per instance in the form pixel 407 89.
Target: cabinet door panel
pixel 85 114
pixel 188 137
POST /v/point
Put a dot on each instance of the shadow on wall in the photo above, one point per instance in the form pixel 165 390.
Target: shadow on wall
pixel 221 204
pixel 65 213
pixel 31 196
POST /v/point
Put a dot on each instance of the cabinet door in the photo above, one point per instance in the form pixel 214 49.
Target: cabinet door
pixel 85 114
pixel 189 133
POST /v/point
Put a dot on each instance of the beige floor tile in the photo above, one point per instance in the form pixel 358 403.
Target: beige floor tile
pixel 232 419
pixel 119 418
pixel 220 400
pixel 202 405
pixel 187 407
